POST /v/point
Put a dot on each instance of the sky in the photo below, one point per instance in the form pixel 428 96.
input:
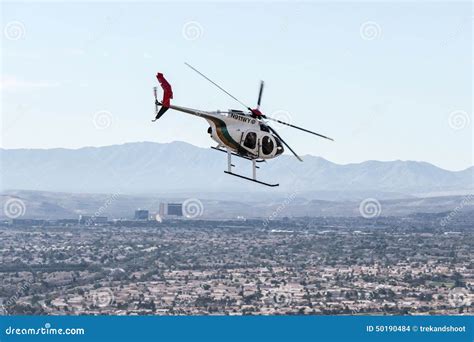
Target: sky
pixel 387 81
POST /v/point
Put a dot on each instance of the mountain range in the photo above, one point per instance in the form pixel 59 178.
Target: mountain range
pixel 178 167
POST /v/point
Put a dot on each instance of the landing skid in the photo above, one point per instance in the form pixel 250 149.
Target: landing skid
pixel 250 179
pixel 254 168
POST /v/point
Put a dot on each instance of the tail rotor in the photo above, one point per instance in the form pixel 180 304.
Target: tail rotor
pixel 167 96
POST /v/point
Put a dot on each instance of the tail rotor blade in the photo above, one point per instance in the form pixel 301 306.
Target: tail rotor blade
pixel 301 129
pixel 218 86
pixel 260 94
pixel 284 142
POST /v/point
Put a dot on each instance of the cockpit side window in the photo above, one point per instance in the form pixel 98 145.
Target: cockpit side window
pixel 250 140
pixel 267 145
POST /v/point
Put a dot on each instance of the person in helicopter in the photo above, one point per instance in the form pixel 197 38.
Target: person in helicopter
pixel 250 140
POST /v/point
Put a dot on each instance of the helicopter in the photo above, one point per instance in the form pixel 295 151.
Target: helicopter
pixel 244 134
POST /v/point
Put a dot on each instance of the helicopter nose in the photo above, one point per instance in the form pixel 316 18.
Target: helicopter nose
pixel 280 150
pixel 279 147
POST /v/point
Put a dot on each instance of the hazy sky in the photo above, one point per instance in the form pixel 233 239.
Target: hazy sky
pixel 386 81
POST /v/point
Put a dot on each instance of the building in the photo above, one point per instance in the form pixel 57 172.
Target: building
pixel 163 209
pixel 142 215
pixel 28 222
pixel 100 219
pixel 83 219
pixel 171 209
pixel 175 209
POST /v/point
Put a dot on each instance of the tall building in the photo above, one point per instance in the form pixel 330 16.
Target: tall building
pixel 163 209
pixel 175 209
pixel 171 209
pixel 141 214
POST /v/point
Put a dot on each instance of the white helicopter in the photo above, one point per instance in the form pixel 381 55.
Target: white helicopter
pixel 242 134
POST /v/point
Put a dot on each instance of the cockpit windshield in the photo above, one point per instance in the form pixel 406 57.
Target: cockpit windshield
pixel 250 140
pixel 267 145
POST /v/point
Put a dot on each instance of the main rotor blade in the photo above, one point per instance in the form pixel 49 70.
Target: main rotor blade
pixel 260 94
pixel 301 129
pixel 218 86
pixel 283 141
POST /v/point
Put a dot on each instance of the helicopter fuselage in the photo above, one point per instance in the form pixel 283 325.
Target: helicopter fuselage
pixel 240 132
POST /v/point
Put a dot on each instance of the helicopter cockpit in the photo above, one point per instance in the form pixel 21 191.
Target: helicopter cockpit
pixel 263 144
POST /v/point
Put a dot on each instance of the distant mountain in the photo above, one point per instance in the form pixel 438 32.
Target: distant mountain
pixel 146 167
